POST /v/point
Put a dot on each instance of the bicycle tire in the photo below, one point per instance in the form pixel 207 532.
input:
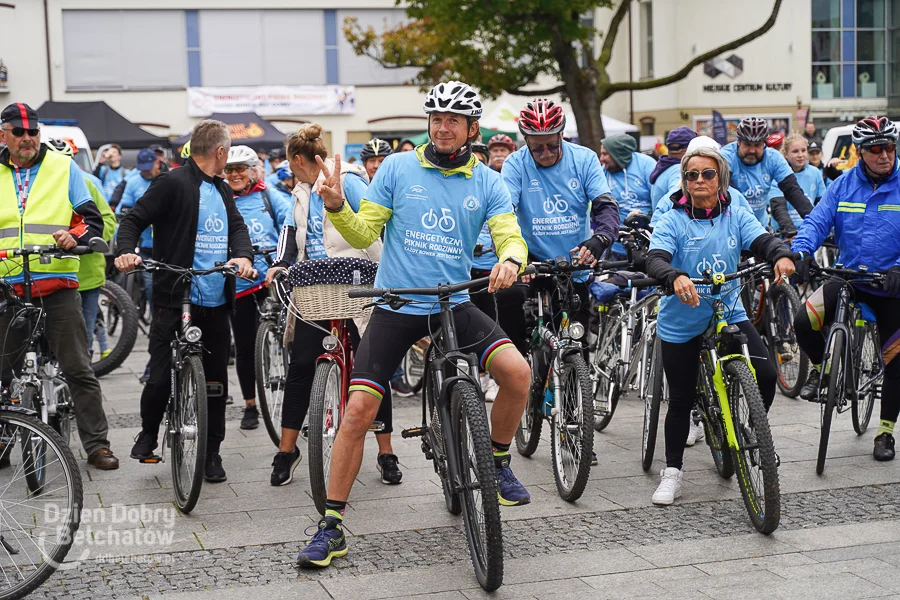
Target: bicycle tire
pixel 869 364
pixel 575 417
pixel 270 384
pixel 713 426
pixel 762 498
pixel 788 381
pixel 528 433
pixel 192 403
pixel 324 421
pixel 34 453
pixel 127 318
pixel 61 422
pixel 606 362
pixel 835 367
pixel 69 487
pixel 652 402
pixel 436 440
pixel 485 539
pixel 413 368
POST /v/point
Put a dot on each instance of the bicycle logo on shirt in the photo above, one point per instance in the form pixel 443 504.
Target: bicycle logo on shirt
pixel 256 228
pixel 555 204
pixel 316 225
pixel 445 222
pixel 214 223
pixel 717 266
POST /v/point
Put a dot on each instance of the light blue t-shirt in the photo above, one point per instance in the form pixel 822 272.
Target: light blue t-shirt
pixel 354 189
pixel 553 204
pixel 135 188
pixel 810 181
pixel 111 178
pixel 665 204
pixel 263 229
pixel 631 189
pixel 697 245
pixel 211 247
pixel 488 257
pixel 436 219
pixel 755 182
pixel 667 182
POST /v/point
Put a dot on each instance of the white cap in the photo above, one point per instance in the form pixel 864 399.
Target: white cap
pixel 703 141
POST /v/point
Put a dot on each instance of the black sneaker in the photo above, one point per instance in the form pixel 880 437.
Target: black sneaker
pixel 390 472
pixel 810 390
pixel 399 389
pixel 144 445
pixel 250 419
pixel 283 467
pixel 229 400
pixel 884 447
pixel 214 471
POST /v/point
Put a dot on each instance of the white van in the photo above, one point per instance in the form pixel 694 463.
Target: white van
pixel 76 137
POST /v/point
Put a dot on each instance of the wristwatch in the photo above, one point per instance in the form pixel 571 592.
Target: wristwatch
pixel 515 261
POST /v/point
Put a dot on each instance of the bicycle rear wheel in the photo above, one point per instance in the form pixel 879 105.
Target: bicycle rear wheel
pixel 34 447
pixel 414 367
pixel 121 319
pixel 868 379
pixel 38 526
pixel 481 510
pixel 833 368
pixel 271 360
pixel 437 439
pixel 572 431
pixel 528 434
pixel 652 401
pixel 791 363
pixel 755 455
pixel 708 403
pixel 324 421
pixel 188 430
pixel 606 390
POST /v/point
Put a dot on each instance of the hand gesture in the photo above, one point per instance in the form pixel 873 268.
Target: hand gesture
pixel 330 189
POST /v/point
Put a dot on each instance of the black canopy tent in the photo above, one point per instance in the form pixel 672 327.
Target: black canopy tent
pixel 100 123
pixel 248 129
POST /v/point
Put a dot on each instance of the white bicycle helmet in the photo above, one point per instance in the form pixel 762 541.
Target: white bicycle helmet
pixel 454 97
pixel 60 147
pixel 242 155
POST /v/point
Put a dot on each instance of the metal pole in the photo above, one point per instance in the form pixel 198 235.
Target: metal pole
pixel 630 71
pixel 47 44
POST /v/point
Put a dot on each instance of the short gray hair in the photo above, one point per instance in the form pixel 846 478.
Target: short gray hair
pixel 209 135
pixel 721 167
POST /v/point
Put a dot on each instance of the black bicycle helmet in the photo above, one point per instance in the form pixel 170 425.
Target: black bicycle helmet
pixel 752 129
pixel 374 148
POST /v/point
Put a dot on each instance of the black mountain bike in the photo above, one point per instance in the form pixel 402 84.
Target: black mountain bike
pixel 454 431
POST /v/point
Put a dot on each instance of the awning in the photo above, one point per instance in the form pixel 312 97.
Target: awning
pixel 248 129
pixel 100 123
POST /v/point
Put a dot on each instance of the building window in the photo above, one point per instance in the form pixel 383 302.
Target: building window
pixel 108 49
pixel 646 25
pixel 848 48
pixel 648 125
pixel 587 50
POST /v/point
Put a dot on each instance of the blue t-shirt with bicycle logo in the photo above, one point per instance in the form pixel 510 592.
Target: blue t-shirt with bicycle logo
pixel 435 223
pixel 211 247
pixel 262 227
pixel 756 181
pixel 813 186
pixel 696 246
pixel 631 188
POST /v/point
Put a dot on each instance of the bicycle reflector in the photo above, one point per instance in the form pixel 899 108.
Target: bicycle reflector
pixel 193 334
pixel 329 342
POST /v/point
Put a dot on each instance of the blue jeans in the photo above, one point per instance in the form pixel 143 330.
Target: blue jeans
pixel 90 306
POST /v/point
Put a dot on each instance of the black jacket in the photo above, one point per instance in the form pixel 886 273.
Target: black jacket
pixel 171 205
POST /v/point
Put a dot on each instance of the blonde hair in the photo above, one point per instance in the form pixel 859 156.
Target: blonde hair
pixel 721 167
pixel 307 142
pixel 794 137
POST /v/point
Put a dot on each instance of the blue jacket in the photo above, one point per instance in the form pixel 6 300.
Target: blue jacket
pixel 865 218
pixel 264 228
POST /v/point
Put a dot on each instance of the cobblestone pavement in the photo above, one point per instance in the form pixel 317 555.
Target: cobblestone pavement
pixel 838 533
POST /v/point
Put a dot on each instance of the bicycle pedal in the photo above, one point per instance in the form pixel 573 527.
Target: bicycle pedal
pixel 411 433
pixel 376 426
pixel 152 460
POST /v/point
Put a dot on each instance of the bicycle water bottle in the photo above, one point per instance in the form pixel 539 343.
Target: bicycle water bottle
pixel 548 396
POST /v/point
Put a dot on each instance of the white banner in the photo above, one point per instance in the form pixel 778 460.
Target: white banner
pixel 273 100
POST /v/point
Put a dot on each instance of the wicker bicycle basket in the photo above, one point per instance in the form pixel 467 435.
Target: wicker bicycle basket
pixel 321 286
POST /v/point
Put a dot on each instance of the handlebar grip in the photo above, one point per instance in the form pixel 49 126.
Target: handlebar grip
pixel 644 283
pixel 366 292
pixel 613 264
pixel 529 270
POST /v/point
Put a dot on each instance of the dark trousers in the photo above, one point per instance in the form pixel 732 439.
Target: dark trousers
pixel 681 362
pixel 812 329
pixel 213 322
pixel 509 312
pixel 244 323
pixel 305 349
pixel 67 336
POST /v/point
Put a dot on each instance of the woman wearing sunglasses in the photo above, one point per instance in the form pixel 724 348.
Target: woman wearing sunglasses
pixel 703 232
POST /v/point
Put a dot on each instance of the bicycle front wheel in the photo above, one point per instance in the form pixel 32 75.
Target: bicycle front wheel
pixel 869 378
pixel 121 320
pixel 271 363
pixel 652 400
pixel 528 434
pixel 572 440
pixel 754 458
pixel 34 447
pixel 324 421
pixel 833 368
pixel 606 389
pixel 188 430
pixel 481 509
pixel 38 527
pixel 791 363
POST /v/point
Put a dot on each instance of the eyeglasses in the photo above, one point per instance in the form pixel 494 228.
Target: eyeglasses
pixel 551 148
pixel 236 168
pixel 708 175
pixel 20 131
pixel 881 148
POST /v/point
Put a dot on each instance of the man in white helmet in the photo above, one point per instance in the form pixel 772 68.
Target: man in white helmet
pixel 431 204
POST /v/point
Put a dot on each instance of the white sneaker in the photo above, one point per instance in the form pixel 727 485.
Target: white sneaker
pixel 695 434
pixel 490 387
pixel 669 487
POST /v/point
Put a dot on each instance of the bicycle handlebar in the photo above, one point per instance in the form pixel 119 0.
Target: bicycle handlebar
pixel 154 265
pixel 744 269
pixel 94 245
pixel 440 290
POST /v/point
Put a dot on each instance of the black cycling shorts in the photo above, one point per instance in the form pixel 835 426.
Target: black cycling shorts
pixel 390 334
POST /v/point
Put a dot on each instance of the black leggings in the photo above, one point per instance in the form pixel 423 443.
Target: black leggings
pixel 812 328
pixel 305 349
pixel 244 323
pixel 681 362
pixel 509 305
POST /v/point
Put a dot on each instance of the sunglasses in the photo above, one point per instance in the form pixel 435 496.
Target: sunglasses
pixel 552 148
pixel 675 147
pixel 20 131
pixel 881 148
pixel 708 175
pixel 237 168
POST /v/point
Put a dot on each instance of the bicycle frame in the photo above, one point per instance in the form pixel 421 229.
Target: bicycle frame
pixel 559 345
pixel 624 326
pixel 338 350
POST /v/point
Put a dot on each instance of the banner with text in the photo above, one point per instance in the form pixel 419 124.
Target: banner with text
pixel 273 100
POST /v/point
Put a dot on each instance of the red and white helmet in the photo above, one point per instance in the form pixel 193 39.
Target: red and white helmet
pixel 542 117
pixel 875 130
pixel 501 139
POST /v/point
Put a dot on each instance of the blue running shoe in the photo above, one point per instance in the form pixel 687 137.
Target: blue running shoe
pixel 327 543
pixel 511 492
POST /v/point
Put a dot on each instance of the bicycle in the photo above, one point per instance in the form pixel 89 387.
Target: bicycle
pixel 185 423
pixel 852 370
pixel 454 430
pixel 560 389
pixel 731 407
pixel 118 318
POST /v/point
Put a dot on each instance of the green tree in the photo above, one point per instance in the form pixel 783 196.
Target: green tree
pixel 498 45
